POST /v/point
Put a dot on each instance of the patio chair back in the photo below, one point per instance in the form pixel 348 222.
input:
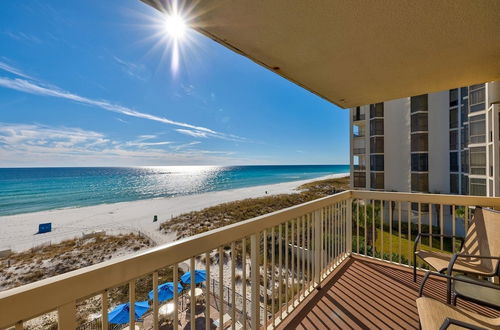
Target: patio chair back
pixel 483 238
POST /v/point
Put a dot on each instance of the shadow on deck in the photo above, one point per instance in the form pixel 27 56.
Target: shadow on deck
pixel 368 294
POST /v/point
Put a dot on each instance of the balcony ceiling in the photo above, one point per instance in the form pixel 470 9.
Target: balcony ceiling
pixel 359 51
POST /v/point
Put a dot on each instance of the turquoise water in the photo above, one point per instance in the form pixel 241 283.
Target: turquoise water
pixel 37 189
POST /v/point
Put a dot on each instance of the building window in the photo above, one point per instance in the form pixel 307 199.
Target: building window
pixel 420 182
pixel 420 162
pixel 419 142
pixel 376 162
pixel 419 122
pixel 376 110
pixel 377 145
pixel 464 137
pixel 477 97
pixel 359 180
pixel 477 160
pixel 453 97
pixel 419 103
pixel 478 187
pixel 453 161
pixel 454 140
pixel 454 184
pixel 377 180
pixel 464 92
pixel 454 118
pixel 464 111
pixel 465 185
pixel 477 129
pixel 464 155
pixel 377 127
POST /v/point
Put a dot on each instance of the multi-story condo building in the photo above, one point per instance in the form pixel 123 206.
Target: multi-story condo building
pixel 444 142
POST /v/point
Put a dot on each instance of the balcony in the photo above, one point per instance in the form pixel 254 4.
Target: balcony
pixel 336 262
pixel 358 117
pixel 358 151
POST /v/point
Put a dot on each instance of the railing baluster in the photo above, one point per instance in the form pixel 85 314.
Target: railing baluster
pixel 420 223
pixel 131 296
pixel 273 270
pixel 366 228
pixel 303 251
pixel 104 309
pixel 298 253
pixel 390 229
pixel 441 225
pixel 410 248
pixel 254 274
pixel 357 226
pixel 192 299
pixel 399 230
pixel 280 261
pixel 430 225
pixel 208 322
pixel 292 249
pixel 317 247
pixel 382 232
pixel 155 301
pixel 221 287
pixel 233 287
pixel 66 316
pixel 466 219
pixel 265 278
pixel 176 295
pixel 244 291
pixel 286 265
pixel 373 229
pixel 453 229
pixel 349 226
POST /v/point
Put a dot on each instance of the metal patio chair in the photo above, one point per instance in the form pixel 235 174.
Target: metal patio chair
pixel 480 250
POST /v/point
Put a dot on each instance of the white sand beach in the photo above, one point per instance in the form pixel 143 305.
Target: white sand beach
pixel 18 232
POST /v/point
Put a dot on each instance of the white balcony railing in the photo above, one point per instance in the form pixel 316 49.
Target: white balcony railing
pixel 258 270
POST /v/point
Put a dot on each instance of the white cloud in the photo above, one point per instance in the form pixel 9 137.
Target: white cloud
pixel 138 71
pixel 11 69
pixel 192 133
pixel 40 145
pixel 37 88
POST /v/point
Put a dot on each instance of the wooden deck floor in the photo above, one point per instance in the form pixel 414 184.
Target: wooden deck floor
pixel 366 294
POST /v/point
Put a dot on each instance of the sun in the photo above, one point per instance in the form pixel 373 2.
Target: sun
pixel 175 26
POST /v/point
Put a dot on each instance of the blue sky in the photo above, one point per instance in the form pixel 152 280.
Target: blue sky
pixel 90 83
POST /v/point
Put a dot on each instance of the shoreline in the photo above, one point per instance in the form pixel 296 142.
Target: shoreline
pixel 18 232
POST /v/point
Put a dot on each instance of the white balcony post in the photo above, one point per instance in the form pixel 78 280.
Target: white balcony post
pixel 317 247
pixel 66 316
pixel 255 272
pixel 349 226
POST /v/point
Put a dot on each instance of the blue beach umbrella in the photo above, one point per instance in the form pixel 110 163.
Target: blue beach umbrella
pixel 121 313
pixel 165 291
pixel 199 276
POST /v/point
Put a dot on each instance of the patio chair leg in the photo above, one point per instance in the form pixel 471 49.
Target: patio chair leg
pixel 414 268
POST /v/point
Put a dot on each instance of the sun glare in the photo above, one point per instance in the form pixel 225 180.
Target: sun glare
pixel 175 26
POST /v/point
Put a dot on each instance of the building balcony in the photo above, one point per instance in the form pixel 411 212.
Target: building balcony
pixel 337 262
pixel 358 151
pixel 358 117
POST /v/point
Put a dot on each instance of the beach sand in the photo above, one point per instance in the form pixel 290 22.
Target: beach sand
pixel 18 232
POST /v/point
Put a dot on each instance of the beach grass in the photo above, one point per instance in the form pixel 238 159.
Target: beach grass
pixel 196 222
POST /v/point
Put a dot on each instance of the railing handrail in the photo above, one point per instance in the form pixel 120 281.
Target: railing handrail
pixel 457 200
pixel 89 281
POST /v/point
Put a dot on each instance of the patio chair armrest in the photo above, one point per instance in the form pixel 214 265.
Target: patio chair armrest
pixel 462 255
pixel 419 237
pixel 452 278
pixel 449 321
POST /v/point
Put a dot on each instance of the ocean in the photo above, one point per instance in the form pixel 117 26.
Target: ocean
pixel 25 190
